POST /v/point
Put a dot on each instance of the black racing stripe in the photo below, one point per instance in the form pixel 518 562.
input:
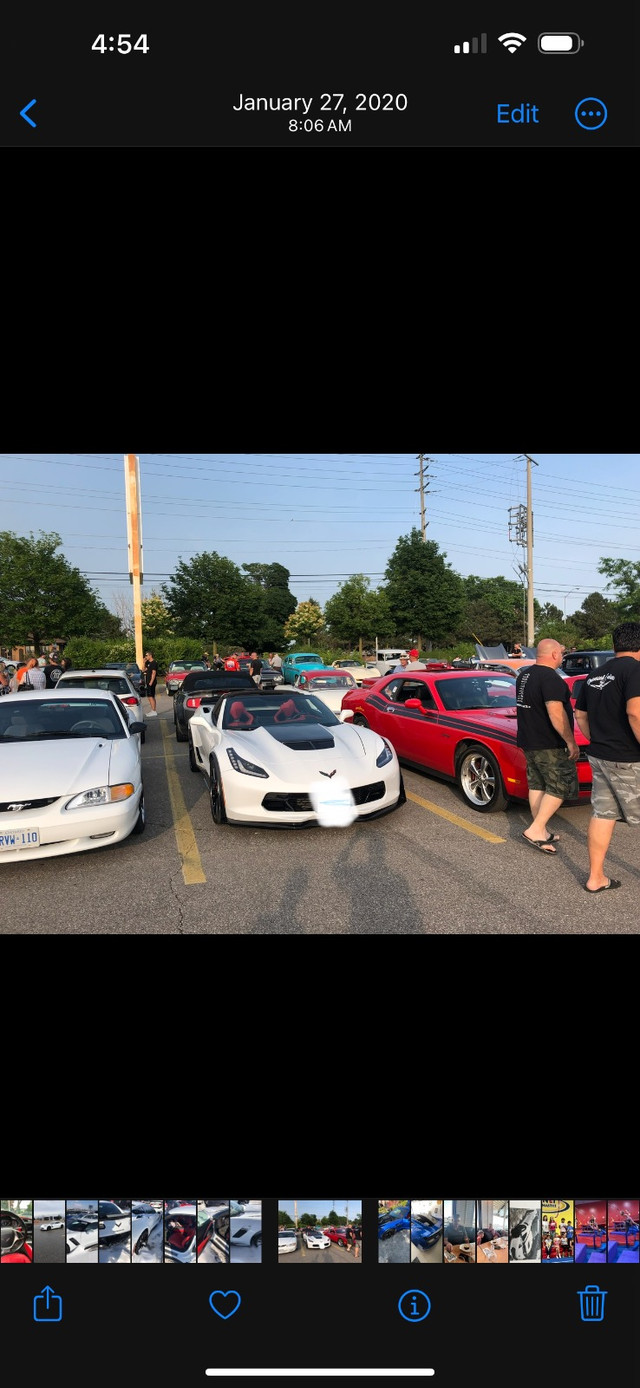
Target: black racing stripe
pixel 478 727
pixel 444 720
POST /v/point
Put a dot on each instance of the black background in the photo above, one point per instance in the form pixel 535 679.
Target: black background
pixel 201 57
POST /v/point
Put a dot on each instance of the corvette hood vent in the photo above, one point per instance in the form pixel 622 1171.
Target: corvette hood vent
pixel 302 738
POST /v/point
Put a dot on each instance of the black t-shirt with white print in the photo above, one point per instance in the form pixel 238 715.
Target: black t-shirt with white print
pixel 537 685
pixel 603 696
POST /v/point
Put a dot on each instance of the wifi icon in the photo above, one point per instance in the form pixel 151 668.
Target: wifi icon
pixel 512 41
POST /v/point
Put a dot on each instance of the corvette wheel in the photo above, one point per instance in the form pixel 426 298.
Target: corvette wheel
pixel 193 765
pixel 216 794
pixel 402 798
pixel 180 736
pixel 480 780
pixel 256 1241
pixel 144 1239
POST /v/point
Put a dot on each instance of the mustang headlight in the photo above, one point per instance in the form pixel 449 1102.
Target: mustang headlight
pixel 100 795
pixel 385 755
pixel 248 767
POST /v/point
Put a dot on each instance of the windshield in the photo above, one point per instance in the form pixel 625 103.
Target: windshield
pixel 112 683
pixel 41 720
pixel 332 682
pixel 476 691
pixel 247 714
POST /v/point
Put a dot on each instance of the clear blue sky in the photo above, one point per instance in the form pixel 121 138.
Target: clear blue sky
pixel 320 1208
pixel 327 515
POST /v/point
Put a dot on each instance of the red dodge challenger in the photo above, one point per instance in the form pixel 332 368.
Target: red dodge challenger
pixel 458 725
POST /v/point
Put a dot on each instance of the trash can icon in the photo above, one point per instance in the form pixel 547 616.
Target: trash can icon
pixel 592 1304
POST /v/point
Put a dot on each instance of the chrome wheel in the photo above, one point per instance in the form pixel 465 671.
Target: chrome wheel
pixel 480 780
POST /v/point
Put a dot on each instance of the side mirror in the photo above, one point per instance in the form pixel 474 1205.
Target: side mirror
pixel 415 703
pixel 137 727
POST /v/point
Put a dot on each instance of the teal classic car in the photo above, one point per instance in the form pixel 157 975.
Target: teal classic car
pixel 300 660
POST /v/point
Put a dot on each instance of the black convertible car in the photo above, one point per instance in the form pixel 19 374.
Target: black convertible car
pixel 202 686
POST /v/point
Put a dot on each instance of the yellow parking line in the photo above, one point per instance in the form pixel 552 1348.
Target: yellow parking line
pixel 455 819
pixel 185 837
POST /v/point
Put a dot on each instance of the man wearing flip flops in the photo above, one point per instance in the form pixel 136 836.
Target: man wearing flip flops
pixel 608 713
pixel 545 734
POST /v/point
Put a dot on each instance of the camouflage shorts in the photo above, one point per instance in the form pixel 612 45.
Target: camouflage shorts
pixel 552 771
pixel 616 790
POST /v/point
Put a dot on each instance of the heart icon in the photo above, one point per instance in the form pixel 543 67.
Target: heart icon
pixel 224 1307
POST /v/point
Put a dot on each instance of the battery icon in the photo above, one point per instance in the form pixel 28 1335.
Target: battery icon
pixel 560 43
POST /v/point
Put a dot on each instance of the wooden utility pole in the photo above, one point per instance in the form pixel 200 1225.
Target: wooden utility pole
pixel 421 489
pixel 134 540
pixel 530 625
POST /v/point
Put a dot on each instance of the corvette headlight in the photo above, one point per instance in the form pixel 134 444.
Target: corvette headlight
pixel 100 795
pixel 249 768
pixel 385 755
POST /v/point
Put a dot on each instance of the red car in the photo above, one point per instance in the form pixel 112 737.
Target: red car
pixel 338 1236
pixel 177 671
pixel 458 725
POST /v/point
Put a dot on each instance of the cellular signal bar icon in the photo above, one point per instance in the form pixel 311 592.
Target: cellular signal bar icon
pixel 471 46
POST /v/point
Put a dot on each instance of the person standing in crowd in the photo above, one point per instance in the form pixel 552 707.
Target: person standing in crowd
pixel 52 672
pixel 65 663
pixel 4 679
pixel 31 676
pixel 608 714
pixel 207 662
pixel 414 654
pixel 218 662
pixel 545 734
pixel 276 661
pixel 231 662
pixel 403 664
pixel 151 680
pixel 256 667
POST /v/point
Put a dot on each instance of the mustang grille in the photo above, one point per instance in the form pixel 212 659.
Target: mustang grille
pixel 28 805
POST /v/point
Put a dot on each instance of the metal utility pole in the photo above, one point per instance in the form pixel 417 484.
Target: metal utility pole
pixel 134 540
pixel 295 1213
pixel 422 489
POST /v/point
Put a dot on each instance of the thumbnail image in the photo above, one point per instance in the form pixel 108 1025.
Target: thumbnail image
pixel 320 1231
pixel 426 1231
pixel 622 1231
pixel 246 1231
pixel 181 1233
pixel 146 1231
pixel 591 1231
pixel 558 1233
pixel 48 1231
pixel 493 1231
pixel 16 1224
pixel 114 1231
pixel 82 1231
pixel 394 1231
pixel 524 1231
pixel 459 1231
pixel 213 1231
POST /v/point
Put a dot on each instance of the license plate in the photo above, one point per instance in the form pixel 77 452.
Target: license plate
pixel 19 838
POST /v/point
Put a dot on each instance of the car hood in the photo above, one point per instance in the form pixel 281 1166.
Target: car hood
pixel 40 770
pixel 302 750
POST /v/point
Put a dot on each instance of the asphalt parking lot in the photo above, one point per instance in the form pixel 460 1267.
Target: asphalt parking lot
pixel 432 867
pixel 333 1254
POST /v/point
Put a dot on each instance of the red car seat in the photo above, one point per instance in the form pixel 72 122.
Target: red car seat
pixel 288 713
pixel 240 716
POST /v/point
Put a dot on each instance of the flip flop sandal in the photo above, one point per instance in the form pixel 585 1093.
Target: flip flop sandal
pixel 593 891
pixel 542 846
pixel 553 838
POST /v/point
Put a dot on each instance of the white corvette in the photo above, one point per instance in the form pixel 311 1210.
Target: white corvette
pixel 284 758
pixel 70 773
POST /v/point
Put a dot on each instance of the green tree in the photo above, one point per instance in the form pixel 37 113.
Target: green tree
pixel 277 602
pixel 550 613
pixel 306 623
pixel 426 596
pixel 356 614
pixel 156 619
pixel 308 1219
pixel 596 616
pixel 493 611
pixel 285 1219
pixel 42 596
pixel 209 598
pixel 564 632
pixel 624 578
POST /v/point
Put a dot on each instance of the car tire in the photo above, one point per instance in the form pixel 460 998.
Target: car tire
pixel 180 736
pixel 144 1239
pixel 193 765
pixel 141 820
pixel 402 798
pixel 480 780
pixel 143 738
pixel 256 1241
pixel 360 721
pixel 216 794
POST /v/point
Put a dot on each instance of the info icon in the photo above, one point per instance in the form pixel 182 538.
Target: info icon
pixel 414 1305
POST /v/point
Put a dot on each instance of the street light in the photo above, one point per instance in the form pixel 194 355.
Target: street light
pixel 568 595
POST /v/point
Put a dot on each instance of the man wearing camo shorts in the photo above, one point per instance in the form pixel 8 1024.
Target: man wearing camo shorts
pixel 608 713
